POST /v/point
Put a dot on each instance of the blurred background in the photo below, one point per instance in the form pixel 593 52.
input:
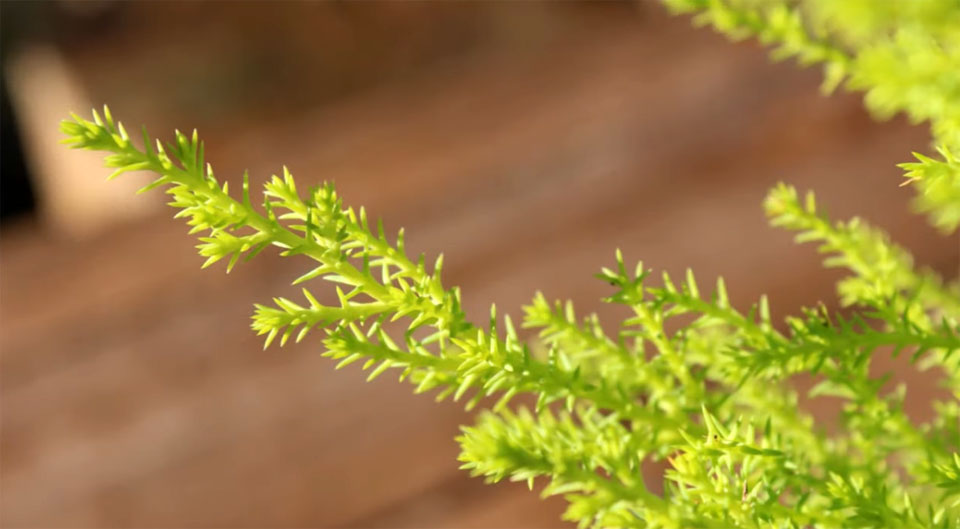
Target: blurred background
pixel 525 141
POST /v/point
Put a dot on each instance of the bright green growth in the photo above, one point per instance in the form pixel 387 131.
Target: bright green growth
pixel 904 54
pixel 687 378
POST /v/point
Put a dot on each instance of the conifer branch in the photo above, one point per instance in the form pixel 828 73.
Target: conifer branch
pixel 687 378
pixel 904 59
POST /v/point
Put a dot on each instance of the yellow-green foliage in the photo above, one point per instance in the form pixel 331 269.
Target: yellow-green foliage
pixel 903 54
pixel 710 395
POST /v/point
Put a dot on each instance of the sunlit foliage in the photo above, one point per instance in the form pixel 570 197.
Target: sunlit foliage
pixel 686 378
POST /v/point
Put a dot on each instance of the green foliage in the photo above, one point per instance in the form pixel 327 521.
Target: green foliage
pixel 686 378
pixel 904 55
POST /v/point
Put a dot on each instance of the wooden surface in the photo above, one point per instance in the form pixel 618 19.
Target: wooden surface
pixel 134 394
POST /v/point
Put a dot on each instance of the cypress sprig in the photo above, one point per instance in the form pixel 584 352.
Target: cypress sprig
pixel 349 253
pixel 773 23
pixel 622 405
pixel 687 378
pixel 589 458
pixel 940 183
pixel 904 56
pixel 884 275
pixel 916 307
